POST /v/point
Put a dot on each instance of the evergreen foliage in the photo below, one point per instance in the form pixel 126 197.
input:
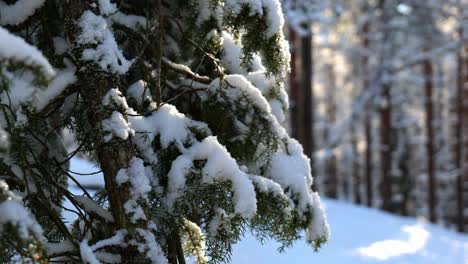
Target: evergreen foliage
pixel 179 103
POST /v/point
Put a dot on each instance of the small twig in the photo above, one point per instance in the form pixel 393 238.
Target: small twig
pixel 85 174
pixel 182 69
pixel 184 92
pixel 73 179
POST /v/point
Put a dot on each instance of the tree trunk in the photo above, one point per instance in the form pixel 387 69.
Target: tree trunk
pixel 331 174
pixel 430 151
pixel 464 165
pixel 294 93
pixel 308 104
pixel 111 156
pixel 386 149
pixel 111 159
pixel 114 155
pixel 356 168
pixel 368 163
pixel 175 252
pixel 461 143
pixel 367 122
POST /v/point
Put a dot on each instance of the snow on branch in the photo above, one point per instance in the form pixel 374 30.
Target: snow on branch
pixel 18 12
pixel 13 213
pixel 96 31
pixel 180 68
pixel 92 206
pixel 13 48
pixel 219 166
pixel 273 12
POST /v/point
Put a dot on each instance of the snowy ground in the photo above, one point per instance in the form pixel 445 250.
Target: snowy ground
pixel 359 235
pixel 362 235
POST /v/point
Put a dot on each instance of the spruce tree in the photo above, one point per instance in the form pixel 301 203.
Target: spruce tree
pixel 180 104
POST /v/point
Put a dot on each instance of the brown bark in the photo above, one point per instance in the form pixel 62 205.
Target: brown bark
pixel 461 143
pixel 430 151
pixel 308 104
pixel 386 151
pixel 294 88
pixel 368 163
pixel 114 155
pixel 180 252
pixel 93 86
pixel 331 181
pixel 356 169
pixel 111 156
pixel 386 128
pixel 458 142
pixel 367 122
pixel 175 251
pixel 464 165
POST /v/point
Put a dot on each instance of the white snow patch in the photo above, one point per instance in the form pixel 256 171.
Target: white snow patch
pixel 139 91
pixel 167 122
pixel 13 212
pixel 117 125
pixel 107 54
pixel 356 227
pixel 16 49
pixel 87 254
pixel 16 13
pixel 153 250
pixel 106 7
pixel 92 206
pixel 386 249
pixel 114 95
pixel 219 166
pixel 62 80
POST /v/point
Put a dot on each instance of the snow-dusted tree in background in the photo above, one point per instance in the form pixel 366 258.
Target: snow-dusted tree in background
pixel 180 103
pixel 399 114
pixel 301 15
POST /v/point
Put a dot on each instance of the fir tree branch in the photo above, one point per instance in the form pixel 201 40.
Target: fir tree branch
pixel 184 70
